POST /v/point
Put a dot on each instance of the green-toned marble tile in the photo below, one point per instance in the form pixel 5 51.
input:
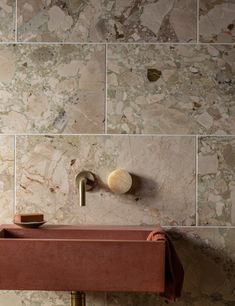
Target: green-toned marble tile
pixel 208 257
pixel 7 20
pixel 217 21
pixel 107 20
pixel 216 178
pixel 6 178
pixel 52 88
pixel 173 89
pixel 163 169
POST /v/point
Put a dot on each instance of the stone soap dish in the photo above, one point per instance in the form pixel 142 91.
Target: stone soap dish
pixel 30 224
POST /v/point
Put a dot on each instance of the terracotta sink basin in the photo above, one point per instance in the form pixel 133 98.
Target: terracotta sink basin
pixel 81 258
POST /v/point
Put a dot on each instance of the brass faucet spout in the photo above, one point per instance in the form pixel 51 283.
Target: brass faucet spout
pixel 85 181
pixel 82 191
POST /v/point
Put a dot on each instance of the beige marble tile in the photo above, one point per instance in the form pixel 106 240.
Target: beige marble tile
pixel 52 88
pixel 7 200
pixel 6 178
pixel 216 178
pixel 34 298
pixel 217 21
pixel 46 298
pixel 171 89
pixel 163 169
pixel 208 256
pixel 7 20
pixel 107 20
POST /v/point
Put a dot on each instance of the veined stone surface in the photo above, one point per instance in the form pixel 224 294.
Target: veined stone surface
pixel 7 20
pixel 216 177
pixel 52 89
pixel 192 92
pixel 107 20
pixel 6 178
pixel 217 21
pixel 163 170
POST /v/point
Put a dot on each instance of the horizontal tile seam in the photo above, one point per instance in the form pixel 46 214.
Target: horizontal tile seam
pixel 108 134
pixel 199 226
pixel 109 43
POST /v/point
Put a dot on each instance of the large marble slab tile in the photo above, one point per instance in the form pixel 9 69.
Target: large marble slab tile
pixel 7 20
pixel 105 20
pixel 52 88
pixel 163 169
pixel 208 256
pixel 171 89
pixel 6 178
pixel 217 21
pixel 216 178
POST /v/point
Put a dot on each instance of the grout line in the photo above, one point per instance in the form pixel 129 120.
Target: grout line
pixel 16 18
pixel 196 182
pixel 106 89
pixel 114 134
pixel 113 43
pixel 198 35
pixel 199 226
pixel 14 189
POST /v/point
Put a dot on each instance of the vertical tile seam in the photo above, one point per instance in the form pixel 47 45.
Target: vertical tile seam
pixel 198 6
pixel 196 182
pixel 14 187
pixel 16 19
pixel 106 88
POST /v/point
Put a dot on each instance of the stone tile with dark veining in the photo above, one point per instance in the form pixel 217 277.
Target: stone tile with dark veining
pixel 107 20
pixel 7 20
pixel 171 89
pixel 6 178
pixel 55 89
pixel 163 171
pixel 217 21
pixel 208 257
pixel 216 177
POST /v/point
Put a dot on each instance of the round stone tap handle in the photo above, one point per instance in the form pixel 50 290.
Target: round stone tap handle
pixel 119 181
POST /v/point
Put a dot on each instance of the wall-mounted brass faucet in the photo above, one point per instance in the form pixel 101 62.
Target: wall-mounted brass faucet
pixel 85 181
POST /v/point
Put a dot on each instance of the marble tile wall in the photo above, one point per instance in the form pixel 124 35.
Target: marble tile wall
pixel 75 76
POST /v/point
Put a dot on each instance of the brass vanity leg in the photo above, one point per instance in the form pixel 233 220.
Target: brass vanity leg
pixel 78 298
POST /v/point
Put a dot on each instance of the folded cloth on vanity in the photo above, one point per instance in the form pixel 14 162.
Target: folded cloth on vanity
pixel 174 272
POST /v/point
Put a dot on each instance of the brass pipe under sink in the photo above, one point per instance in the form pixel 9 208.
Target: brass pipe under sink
pixel 77 298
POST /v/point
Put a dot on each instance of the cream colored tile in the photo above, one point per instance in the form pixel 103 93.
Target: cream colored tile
pixel 6 178
pixel 171 89
pixel 216 192
pixel 217 21
pixel 162 167
pixel 7 20
pixel 105 20
pixel 52 88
